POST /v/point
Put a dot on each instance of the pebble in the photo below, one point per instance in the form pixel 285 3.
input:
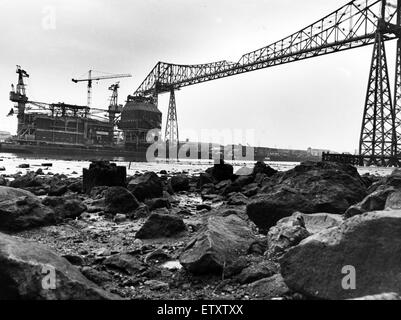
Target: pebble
pixel 157 285
pixel 119 218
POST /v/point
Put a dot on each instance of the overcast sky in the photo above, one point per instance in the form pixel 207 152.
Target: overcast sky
pixel 315 103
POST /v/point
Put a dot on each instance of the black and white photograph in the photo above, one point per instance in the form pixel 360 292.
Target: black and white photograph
pixel 200 158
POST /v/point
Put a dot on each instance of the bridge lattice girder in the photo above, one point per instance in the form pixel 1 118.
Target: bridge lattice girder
pixel 353 25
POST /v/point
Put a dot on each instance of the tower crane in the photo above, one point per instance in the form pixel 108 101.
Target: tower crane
pixel 90 80
pixel 114 107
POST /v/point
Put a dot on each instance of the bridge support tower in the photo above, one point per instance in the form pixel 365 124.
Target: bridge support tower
pixel 381 125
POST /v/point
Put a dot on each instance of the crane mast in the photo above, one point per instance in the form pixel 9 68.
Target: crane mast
pixel 90 80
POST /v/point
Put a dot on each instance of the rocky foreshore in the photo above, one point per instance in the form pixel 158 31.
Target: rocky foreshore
pixel 251 234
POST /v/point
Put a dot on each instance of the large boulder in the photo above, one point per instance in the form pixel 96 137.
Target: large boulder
pixel 29 180
pixel 316 222
pixel 221 171
pixel 261 167
pixel 393 201
pixel 103 173
pixel 365 248
pixel 309 188
pixel 286 234
pixel 375 201
pixel 146 186
pixel 20 210
pixel 65 208
pixel 9 193
pixel 217 245
pixel 120 200
pixel 29 271
pixel 161 226
pixel 179 183
pixel 391 181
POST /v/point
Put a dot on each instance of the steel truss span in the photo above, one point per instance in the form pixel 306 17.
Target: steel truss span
pixel 358 23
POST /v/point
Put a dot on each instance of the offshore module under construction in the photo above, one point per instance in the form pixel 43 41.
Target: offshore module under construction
pixel 64 129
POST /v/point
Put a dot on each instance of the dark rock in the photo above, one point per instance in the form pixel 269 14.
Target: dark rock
pixel 146 186
pixel 157 285
pixel 238 199
pixel 124 262
pixel 225 212
pixel 2 169
pixel 65 208
pixel 286 234
pixel 161 226
pixel 207 191
pixel 205 178
pixel 21 210
pixel 26 269
pixel 257 271
pixel 258 247
pixel 98 192
pixel 158 255
pixel 236 267
pixel 3 181
pixel 37 191
pixel 103 173
pixel 58 190
pixel 269 288
pixel 394 180
pixel 222 185
pixel 179 183
pixel 24 166
pixel 120 218
pixel 231 188
pixel 308 188
pixel 120 200
pixel 142 212
pixel 203 206
pixel 26 181
pixel 158 203
pixel 163 172
pixel 261 167
pixel 221 171
pixel 369 179
pixel 316 222
pixel 48 165
pixel 74 259
pixel 243 181
pixel 98 277
pixel 76 186
pixel 218 244
pixel 375 201
pixel 370 243
pixel 393 201
pixel 250 190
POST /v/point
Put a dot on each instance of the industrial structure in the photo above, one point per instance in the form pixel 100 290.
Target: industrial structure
pixel 71 129
pixel 358 23
pixel 90 80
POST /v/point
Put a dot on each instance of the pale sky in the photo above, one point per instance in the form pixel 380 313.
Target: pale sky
pixel 314 103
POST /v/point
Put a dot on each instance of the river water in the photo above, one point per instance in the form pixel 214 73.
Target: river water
pixel 10 163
